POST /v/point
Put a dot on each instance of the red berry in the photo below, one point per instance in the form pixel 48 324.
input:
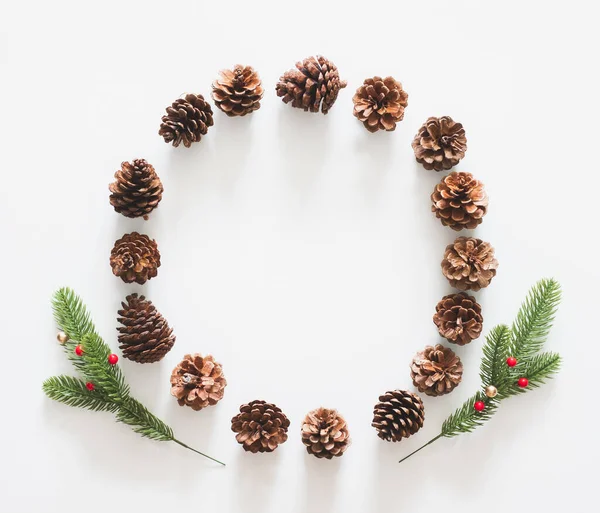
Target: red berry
pixel 523 382
pixel 113 359
pixel 79 350
pixel 89 386
pixel 479 406
pixel 511 361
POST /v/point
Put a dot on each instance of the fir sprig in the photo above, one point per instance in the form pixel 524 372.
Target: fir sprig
pixel 523 341
pixel 111 392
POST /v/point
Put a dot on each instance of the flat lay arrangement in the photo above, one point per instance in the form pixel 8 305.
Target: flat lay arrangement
pixel 513 360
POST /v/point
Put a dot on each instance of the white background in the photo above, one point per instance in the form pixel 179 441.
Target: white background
pixel 297 248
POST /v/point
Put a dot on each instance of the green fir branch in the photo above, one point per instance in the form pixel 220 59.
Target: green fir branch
pixel 111 392
pixel 73 392
pixel 523 340
pixel 534 319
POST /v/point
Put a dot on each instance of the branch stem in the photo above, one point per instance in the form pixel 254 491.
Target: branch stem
pixel 197 452
pixel 422 447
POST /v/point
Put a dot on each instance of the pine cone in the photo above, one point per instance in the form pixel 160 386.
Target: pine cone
pixel 145 336
pixel 198 381
pixel 315 83
pixel 440 143
pixel 137 190
pixel 325 433
pixel 186 120
pixel 458 318
pixel 459 201
pixel 397 415
pixel 237 92
pixel 436 370
pixel 135 257
pixel 379 103
pixel 260 426
pixel 469 263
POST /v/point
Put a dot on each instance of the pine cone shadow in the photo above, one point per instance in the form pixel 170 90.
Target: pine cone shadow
pixel 373 158
pixel 305 137
pixel 255 476
pixel 321 484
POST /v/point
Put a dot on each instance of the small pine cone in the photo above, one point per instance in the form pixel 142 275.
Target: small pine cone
pixel 379 103
pixel 459 201
pixel 260 426
pixel 237 92
pixel 458 318
pixel 145 336
pixel 325 433
pixel 186 120
pixel 135 257
pixel 436 370
pixel 198 381
pixel 397 415
pixel 440 143
pixel 314 84
pixel 469 263
pixel 137 190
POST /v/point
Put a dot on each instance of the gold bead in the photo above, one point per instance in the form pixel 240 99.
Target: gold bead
pixel 491 391
pixel 62 338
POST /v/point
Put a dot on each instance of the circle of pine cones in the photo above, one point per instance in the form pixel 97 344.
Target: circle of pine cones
pixel 325 433
pixel 397 415
pixel 260 426
pixel 186 120
pixel 135 258
pixel 198 381
pixel 379 103
pixel 137 189
pixel 459 201
pixel 145 335
pixel 237 92
pixel 313 85
pixel 469 263
pixel 436 370
pixel 458 318
pixel 440 143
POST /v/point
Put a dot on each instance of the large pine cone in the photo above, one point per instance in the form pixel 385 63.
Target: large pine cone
pixel 469 263
pixel 315 83
pixel 458 318
pixel 135 257
pixel 145 336
pixel 440 143
pixel 325 433
pixel 397 415
pixel 137 190
pixel 237 92
pixel 459 201
pixel 260 426
pixel 436 370
pixel 379 103
pixel 198 381
pixel 186 120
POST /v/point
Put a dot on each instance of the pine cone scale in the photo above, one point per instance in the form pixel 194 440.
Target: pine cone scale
pixel 398 414
pixel 237 92
pixel 135 257
pixel 260 426
pixel 440 143
pixel 186 120
pixel 325 433
pixel 379 103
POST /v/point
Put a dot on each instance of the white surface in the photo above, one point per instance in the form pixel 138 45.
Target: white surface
pixel 297 248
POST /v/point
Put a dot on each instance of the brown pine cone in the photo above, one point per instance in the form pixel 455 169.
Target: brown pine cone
pixel 325 433
pixel 198 381
pixel 315 83
pixel 458 318
pixel 137 190
pixel 135 257
pixel 186 120
pixel 379 103
pixel 260 426
pixel 145 336
pixel 237 92
pixel 397 415
pixel 436 370
pixel 469 263
pixel 459 201
pixel 440 143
